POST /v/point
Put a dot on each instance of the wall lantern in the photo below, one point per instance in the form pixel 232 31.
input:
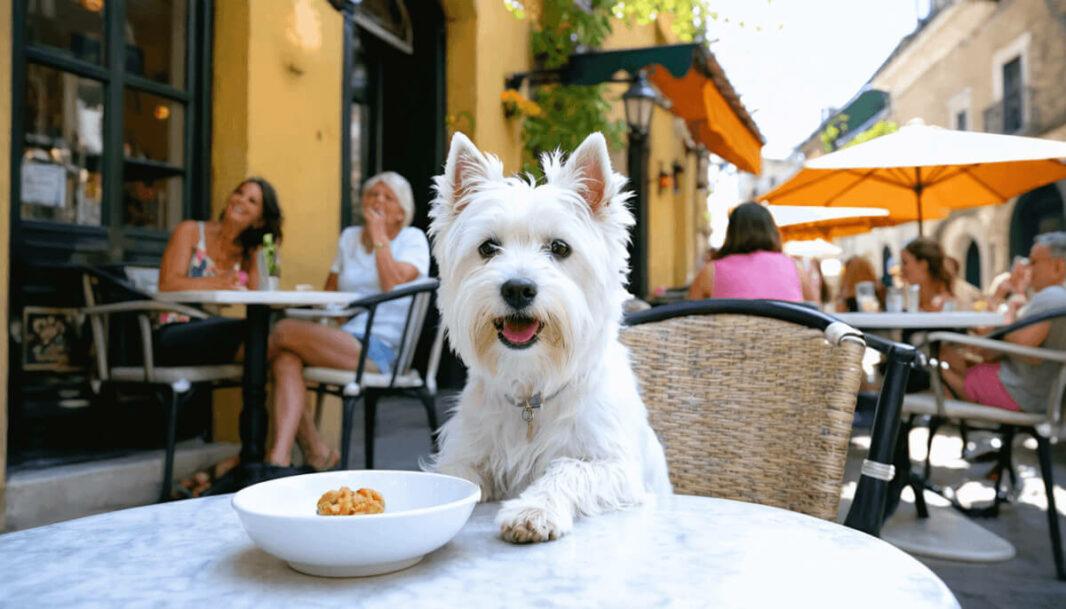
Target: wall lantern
pixel 639 102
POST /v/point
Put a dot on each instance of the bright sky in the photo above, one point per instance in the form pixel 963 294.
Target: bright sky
pixel 791 58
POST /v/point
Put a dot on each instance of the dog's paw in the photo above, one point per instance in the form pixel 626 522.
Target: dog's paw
pixel 524 523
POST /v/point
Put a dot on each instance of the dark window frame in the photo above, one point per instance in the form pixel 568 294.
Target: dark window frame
pixel 48 242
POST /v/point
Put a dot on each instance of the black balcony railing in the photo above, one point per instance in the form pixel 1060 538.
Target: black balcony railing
pixel 1015 114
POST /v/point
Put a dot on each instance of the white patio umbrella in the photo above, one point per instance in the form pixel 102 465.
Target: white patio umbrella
pixel 813 248
pixel 924 171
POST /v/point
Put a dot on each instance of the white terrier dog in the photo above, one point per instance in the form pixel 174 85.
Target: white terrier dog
pixel 531 294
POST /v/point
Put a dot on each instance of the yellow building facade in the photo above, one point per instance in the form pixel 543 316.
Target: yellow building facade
pixel 276 102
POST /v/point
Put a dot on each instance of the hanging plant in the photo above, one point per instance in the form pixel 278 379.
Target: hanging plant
pixel 567 113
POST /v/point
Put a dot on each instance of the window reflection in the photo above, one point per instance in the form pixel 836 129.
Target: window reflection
pixel 61 161
pixel 75 27
pixel 153 147
pixel 152 203
pixel 155 40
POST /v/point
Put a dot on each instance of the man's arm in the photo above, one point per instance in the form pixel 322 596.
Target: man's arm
pixel 1030 336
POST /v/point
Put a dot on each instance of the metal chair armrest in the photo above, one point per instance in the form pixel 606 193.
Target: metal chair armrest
pixel 998 345
pixel 422 285
pixel 143 306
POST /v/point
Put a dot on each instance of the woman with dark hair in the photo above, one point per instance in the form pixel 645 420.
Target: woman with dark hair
pixel 215 255
pixel 922 264
pixel 750 263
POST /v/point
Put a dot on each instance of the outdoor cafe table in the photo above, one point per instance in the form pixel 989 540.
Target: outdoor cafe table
pixel 944 534
pixel 253 418
pixel 682 552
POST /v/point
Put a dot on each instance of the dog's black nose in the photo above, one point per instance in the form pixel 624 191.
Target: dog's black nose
pixel 519 293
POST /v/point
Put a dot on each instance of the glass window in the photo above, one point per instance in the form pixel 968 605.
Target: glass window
pixel 61 160
pixel 154 128
pixel 1012 95
pixel 961 122
pixel 74 27
pixel 152 202
pixel 155 40
pixel 153 148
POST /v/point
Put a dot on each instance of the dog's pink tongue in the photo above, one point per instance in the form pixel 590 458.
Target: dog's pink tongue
pixel 519 332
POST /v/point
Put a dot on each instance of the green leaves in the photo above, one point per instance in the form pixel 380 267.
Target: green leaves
pixel 570 113
pixel 564 27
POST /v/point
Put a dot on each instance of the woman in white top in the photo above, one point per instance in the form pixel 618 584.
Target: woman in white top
pixel 371 259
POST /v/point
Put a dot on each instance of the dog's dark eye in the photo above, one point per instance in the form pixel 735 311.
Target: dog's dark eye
pixel 559 248
pixel 489 248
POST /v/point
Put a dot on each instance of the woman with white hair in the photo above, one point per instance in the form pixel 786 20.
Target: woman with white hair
pixel 371 259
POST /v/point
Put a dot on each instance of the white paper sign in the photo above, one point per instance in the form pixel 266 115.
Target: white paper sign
pixel 44 184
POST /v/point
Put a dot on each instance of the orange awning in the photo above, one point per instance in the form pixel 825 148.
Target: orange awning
pixel 713 114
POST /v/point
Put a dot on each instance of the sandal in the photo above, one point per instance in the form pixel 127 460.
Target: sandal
pixel 201 481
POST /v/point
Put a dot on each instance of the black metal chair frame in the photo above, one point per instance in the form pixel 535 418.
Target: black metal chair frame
pixel 351 393
pixel 1004 461
pixel 867 510
pixel 170 395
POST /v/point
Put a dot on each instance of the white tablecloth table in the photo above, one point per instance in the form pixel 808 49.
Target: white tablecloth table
pixel 683 552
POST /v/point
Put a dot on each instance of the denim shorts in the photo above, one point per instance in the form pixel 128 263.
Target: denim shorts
pixel 381 353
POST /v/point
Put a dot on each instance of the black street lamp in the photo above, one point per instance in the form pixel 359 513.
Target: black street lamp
pixel 639 103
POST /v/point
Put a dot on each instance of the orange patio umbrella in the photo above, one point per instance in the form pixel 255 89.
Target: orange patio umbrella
pixel 924 171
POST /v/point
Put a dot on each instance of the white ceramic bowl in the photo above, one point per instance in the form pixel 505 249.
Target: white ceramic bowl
pixel 423 512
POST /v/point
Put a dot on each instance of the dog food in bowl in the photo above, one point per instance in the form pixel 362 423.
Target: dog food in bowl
pixel 346 502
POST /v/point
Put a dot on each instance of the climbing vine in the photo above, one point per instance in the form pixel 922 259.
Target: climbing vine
pixel 560 116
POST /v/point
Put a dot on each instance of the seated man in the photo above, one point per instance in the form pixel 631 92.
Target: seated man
pixel 1019 383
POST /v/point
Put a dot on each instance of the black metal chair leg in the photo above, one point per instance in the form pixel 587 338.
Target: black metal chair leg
pixel 429 402
pixel 964 434
pixel 320 395
pixel 370 411
pixel 171 432
pixel 347 416
pixel 902 462
pixel 934 426
pixel 1043 449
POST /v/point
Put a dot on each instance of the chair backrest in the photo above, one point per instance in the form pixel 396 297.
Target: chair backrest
pixel 116 338
pixel 748 407
pixel 416 319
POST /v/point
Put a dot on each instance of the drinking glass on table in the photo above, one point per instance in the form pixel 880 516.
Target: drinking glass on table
pixel 866 297
pixel 894 300
pixel 914 298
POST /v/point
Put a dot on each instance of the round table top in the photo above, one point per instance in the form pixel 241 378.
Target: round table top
pixel 680 552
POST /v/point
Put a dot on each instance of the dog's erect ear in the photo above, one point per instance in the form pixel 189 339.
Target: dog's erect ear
pixel 465 167
pixel 590 167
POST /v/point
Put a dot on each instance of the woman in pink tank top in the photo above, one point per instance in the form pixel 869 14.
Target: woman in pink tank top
pixel 750 263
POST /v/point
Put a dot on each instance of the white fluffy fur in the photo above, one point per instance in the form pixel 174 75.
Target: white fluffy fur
pixel 593 449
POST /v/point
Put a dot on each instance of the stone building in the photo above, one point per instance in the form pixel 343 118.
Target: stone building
pixel 983 65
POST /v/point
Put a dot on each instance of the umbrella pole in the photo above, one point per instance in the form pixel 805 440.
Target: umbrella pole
pixel 918 198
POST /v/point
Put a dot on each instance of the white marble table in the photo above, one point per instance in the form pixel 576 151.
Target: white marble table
pixel 684 552
pixel 921 321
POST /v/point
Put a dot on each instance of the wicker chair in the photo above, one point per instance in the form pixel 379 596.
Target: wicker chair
pixel 753 401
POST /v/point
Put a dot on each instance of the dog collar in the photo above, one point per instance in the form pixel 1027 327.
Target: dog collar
pixel 530 405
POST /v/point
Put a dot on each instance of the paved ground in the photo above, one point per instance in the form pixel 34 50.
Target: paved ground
pixel 1025 582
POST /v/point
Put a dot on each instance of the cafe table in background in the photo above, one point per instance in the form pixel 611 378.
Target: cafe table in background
pixel 254 418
